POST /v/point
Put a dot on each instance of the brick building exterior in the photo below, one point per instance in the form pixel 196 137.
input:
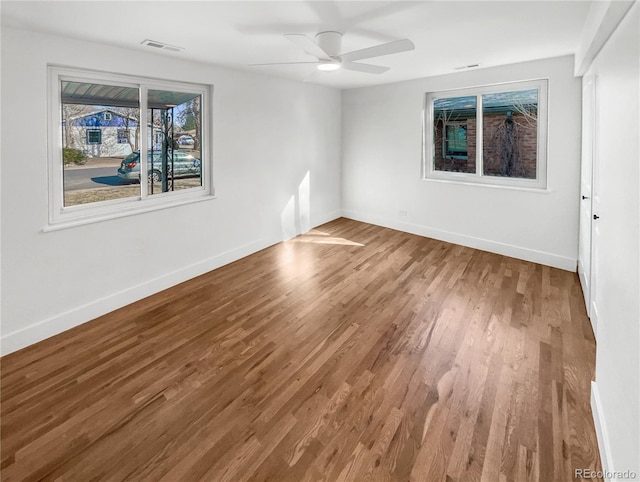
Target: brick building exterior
pixel 509 136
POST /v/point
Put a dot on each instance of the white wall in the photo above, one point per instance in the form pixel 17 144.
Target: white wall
pixel 602 20
pixel 616 397
pixel 382 149
pixel 271 139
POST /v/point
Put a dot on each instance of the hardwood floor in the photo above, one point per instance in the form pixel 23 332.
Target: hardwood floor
pixel 353 352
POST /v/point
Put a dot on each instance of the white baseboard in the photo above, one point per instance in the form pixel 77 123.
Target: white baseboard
pixel 57 324
pixel 327 217
pixel 61 322
pixel 541 257
pixel 601 431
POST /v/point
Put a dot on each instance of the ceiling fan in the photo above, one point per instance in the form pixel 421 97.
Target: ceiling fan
pixel 329 45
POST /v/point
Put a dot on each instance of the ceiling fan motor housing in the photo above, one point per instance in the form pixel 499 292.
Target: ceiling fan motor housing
pixel 330 42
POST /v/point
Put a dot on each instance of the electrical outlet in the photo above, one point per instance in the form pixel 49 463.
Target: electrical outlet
pixel 402 212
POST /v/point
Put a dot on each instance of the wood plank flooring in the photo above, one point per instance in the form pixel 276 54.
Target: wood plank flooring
pixel 351 353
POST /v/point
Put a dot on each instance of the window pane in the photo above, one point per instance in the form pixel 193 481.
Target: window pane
pixel 175 141
pixel 510 134
pixel 94 120
pixel 454 134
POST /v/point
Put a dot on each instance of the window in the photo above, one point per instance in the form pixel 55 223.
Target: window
pixel 455 141
pixel 123 136
pixel 129 126
pixel 488 135
pixel 94 136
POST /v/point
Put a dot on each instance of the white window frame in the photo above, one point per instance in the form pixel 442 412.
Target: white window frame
pixel 478 177
pixel 62 217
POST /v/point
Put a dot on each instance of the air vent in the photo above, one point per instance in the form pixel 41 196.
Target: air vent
pixel 162 46
pixel 466 67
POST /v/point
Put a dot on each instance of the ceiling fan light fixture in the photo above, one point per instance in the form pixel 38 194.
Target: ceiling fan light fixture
pixel 326 48
pixel 328 65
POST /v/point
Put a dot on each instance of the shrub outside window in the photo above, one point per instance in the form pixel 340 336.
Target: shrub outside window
pixel 100 164
pixel 488 135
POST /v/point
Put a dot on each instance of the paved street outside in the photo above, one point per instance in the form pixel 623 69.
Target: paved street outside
pixel 98 180
pixel 92 177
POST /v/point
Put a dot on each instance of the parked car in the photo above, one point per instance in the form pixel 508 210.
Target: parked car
pixel 184 165
pixel 186 141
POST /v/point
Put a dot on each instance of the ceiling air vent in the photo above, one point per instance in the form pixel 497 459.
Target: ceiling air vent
pixel 162 46
pixel 466 67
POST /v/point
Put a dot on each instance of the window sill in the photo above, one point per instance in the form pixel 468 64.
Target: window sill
pixel 537 190
pixel 145 207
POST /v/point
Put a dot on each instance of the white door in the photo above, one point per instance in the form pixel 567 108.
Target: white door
pixel 586 180
pixel 584 241
pixel 595 211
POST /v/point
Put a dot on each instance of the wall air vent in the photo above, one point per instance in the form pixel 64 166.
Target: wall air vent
pixel 162 46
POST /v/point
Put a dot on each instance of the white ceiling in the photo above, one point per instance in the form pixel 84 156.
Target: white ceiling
pixel 447 34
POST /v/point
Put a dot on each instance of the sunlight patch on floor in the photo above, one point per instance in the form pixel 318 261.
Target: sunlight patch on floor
pixel 318 237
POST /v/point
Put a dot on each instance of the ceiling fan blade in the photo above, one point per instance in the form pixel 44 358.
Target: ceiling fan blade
pixel 379 50
pixel 307 45
pixel 282 63
pixel 368 68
